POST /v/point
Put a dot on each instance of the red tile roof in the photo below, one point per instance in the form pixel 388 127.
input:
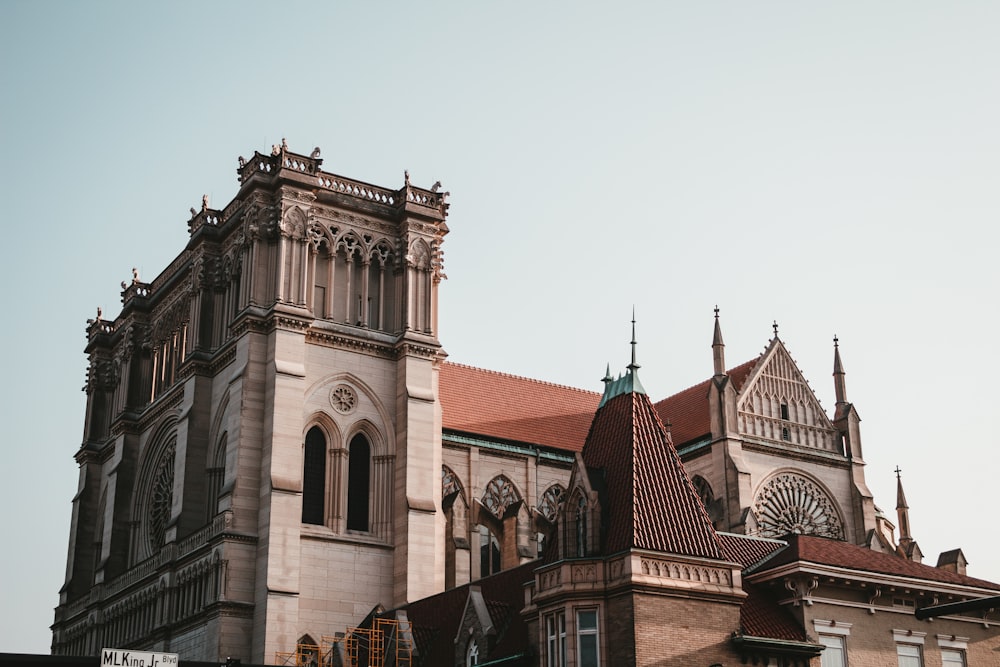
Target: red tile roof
pixel 496 405
pixel 762 616
pixel 436 619
pixel 747 550
pixel 825 551
pixel 650 500
pixel 687 411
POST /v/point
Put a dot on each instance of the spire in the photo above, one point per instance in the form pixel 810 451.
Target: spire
pixel 839 385
pixel 902 512
pixel 633 366
pixel 623 384
pixel 718 348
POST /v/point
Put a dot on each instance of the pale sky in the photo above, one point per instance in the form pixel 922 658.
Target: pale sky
pixel 830 166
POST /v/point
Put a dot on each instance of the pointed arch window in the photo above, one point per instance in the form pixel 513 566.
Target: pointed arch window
pixel 358 483
pixel 489 552
pixel 215 474
pixel 314 477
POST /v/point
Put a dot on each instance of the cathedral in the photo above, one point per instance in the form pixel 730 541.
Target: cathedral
pixel 279 465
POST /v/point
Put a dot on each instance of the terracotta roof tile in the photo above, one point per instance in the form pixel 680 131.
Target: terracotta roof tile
pixel 825 551
pixel 687 411
pixel 650 500
pixel 507 407
pixel 747 550
pixel 762 616
pixel 436 619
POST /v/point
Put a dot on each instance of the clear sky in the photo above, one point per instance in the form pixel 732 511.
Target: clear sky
pixel 831 166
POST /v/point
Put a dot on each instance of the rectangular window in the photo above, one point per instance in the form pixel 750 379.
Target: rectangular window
pixel 952 657
pixel 834 653
pixel 909 655
pixel 588 646
pixel 784 410
pixel 555 645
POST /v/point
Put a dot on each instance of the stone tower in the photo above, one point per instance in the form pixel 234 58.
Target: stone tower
pixel 262 448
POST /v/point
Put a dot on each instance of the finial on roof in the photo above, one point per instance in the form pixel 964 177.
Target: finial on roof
pixel 623 384
pixel 774 325
pixel 632 366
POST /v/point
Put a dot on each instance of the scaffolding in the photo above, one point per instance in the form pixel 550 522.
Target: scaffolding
pixel 388 643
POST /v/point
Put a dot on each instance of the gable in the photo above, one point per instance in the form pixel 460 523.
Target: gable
pixel 776 403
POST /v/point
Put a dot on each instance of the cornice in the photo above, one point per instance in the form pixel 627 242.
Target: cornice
pixel 844 576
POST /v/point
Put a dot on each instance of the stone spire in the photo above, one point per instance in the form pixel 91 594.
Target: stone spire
pixel 718 348
pixel 902 511
pixel 839 385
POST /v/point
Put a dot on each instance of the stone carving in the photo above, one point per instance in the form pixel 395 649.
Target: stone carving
pixel 343 399
pixel 160 498
pixel 548 506
pixel 499 496
pixel 791 503
pixel 449 482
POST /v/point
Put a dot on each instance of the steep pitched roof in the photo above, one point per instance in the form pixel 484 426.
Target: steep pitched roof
pixel 650 500
pixel 507 407
pixel 825 551
pixel 436 619
pixel 687 411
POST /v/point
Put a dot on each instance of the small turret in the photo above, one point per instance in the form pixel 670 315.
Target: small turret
pixel 908 547
pixel 718 348
pixel 839 384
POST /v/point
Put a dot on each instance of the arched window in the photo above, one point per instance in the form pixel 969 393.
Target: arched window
pixel 489 552
pixel 314 477
pixel 358 483
pixel 216 474
pixel 472 654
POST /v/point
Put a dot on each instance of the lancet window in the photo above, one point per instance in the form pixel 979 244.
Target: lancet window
pixel 215 474
pixel 314 477
pixel 358 483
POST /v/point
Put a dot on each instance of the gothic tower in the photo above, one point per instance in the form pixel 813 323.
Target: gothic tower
pixel 262 448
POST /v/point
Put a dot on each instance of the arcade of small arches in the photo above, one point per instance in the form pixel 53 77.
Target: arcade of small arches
pixel 498 524
pixel 356 277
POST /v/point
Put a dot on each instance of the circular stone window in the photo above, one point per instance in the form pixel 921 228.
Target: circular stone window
pixel 160 498
pixel 343 399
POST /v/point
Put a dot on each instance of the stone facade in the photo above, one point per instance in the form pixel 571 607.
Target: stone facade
pixel 268 459
pixel 308 305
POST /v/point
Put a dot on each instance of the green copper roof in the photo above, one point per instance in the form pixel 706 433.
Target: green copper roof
pixel 623 384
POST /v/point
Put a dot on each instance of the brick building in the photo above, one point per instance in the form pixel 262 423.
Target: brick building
pixel 275 452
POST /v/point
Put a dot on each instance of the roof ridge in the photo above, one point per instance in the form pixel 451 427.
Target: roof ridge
pixel 523 377
pixel 729 371
pixel 758 538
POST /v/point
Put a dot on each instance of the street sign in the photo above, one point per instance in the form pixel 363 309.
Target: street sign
pixel 120 657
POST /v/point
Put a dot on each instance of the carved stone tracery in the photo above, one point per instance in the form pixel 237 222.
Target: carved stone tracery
pixel 499 496
pixel 159 500
pixel 791 503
